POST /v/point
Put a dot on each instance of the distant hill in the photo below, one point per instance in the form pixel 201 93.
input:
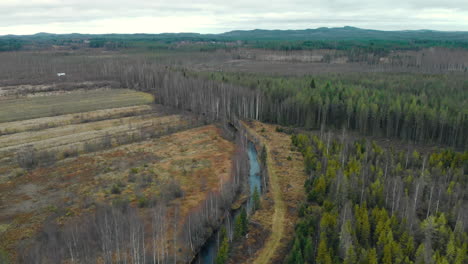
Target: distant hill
pixel 343 38
pixel 323 33
pixel 347 33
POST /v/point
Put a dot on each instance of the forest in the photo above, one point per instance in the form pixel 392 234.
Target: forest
pixel 411 107
pixel 372 204
pixel 348 39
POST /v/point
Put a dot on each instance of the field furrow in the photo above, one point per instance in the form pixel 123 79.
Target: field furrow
pixel 73 102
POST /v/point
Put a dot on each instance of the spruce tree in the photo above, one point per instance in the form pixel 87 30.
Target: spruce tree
pixel 312 84
pixel 223 251
pixel 309 251
pixel 256 199
pixel 241 224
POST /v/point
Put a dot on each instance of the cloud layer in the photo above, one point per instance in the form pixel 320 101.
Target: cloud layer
pixel 216 16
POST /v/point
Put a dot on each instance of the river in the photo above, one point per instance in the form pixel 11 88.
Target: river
pixel 207 254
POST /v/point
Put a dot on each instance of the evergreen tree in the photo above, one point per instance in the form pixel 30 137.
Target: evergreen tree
pixel 323 254
pixel 372 256
pixel 308 250
pixel 351 256
pixel 312 84
pixel 256 203
pixel 299 259
pixel 241 224
pixel 263 156
pixel 223 251
pixel 387 254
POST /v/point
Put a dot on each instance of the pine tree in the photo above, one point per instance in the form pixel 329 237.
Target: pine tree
pixel 241 224
pixel 263 156
pixel 451 249
pixel 362 224
pixel 223 251
pixel 372 256
pixel 351 256
pixel 309 251
pixel 387 254
pixel 256 199
pixel 299 259
pixel 408 245
pixel 312 84
pixel 461 256
pixel 323 254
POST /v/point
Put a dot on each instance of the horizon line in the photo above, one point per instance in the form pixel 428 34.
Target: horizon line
pixel 245 30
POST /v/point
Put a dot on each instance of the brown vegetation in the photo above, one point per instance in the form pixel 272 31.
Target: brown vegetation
pixel 280 204
pixel 140 171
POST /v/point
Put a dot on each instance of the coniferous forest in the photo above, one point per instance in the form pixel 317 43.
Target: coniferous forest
pixel 370 204
pixel 412 107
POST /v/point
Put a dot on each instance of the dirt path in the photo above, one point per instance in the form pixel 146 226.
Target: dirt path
pixel 286 180
pixel 278 221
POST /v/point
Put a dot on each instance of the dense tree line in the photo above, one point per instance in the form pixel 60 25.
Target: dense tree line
pixel 346 38
pixel 10 44
pixel 417 108
pixel 368 204
pixel 351 47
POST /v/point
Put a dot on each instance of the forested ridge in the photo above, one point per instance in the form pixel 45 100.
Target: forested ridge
pixel 344 38
pixel 418 108
pixel 368 204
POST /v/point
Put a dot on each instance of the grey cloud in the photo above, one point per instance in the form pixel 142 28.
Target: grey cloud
pixel 242 14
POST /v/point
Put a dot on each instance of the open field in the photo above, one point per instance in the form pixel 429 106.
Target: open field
pixel 66 141
pixel 70 102
pixel 54 121
pixel 76 129
pixel 139 169
pixel 29 89
pixel 103 146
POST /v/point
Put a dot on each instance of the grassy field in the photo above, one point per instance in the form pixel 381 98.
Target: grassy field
pixel 70 102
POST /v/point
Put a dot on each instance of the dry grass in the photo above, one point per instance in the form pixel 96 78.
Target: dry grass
pixel 72 102
pixel 69 119
pixel 76 137
pixel 77 130
pixel 28 89
pixel 286 179
pixel 198 159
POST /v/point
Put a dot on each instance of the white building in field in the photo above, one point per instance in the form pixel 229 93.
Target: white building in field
pixel 61 74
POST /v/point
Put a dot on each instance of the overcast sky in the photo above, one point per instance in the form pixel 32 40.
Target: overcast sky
pixel 216 16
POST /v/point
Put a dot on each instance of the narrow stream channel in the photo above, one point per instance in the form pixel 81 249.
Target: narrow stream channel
pixel 255 179
pixel 207 254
